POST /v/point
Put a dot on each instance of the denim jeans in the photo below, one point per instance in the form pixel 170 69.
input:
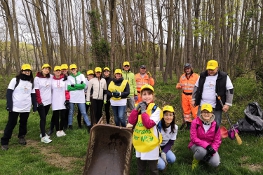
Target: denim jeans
pixel 170 157
pixel 82 108
pixel 119 117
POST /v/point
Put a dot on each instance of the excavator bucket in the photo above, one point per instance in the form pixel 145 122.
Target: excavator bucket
pixel 109 150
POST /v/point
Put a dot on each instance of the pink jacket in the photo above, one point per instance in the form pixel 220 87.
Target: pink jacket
pixel 200 138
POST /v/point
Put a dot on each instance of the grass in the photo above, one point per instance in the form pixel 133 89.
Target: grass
pixel 67 155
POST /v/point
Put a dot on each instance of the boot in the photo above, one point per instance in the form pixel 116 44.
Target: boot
pixel 88 128
pixel 194 163
pixel 70 127
pixel 22 140
pixel 188 125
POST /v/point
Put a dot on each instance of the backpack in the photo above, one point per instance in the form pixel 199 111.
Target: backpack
pixel 17 82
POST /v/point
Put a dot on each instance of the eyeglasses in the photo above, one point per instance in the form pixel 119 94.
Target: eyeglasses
pixel 126 66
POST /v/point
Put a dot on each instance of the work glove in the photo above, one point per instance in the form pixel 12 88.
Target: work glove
pixel 105 102
pixel 137 107
pixel 41 106
pixel 143 106
pixel 116 94
pixel 163 156
pixel 81 82
pixel 210 150
pixel 9 109
pixel 149 74
pixel 73 85
pixel 135 98
pixel 66 104
pixel 129 125
pixel 207 157
pixel 88 103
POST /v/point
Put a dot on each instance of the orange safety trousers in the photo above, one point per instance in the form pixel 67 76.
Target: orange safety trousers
pixel 188 109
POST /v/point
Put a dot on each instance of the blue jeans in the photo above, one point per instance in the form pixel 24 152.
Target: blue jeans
pixel 119 117
pixel 218 115
pixel 170 157
pixel 82 108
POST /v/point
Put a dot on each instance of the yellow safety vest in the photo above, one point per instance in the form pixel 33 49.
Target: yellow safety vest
pixel 113 87
pixel 144 139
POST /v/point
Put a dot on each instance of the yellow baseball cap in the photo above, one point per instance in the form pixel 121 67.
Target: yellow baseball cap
pixel 147 86
pixel 46 66
pixel 73 66
pixel 106 68
pixel 126 63
pixel 168 108
pixel 98 69
pixel 64 66
pixel 90 72
pixel 207 106
pixel 57 68
pixel 117 71
pixel 26 67
pixel 212 64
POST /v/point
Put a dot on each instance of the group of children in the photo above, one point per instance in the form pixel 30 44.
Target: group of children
pixel 154 130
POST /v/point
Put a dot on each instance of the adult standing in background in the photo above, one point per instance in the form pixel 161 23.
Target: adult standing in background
pixel 76 84
pixel 106 76
pixel 99 94
pixel 42 84
pixel 211 83
pixel 186 84
pixel 20 96
pixel 128 75
pixel 60 99
pixel 142 78
pixel 90 75
pixel 118 90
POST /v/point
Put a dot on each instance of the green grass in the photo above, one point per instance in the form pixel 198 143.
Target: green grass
pixel 67 155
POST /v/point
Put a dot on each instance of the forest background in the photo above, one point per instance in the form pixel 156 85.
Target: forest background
pixel 162 34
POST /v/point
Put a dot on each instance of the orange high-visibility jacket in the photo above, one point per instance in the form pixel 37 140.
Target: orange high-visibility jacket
pixel 140 81
pixel 187 85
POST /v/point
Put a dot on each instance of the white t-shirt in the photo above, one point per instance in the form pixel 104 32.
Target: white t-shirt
pixel 58 94
pixel 168 135
pixel 44 86
pixel 77 96
pixel 209 90
pixel 154 154
pixel 21 95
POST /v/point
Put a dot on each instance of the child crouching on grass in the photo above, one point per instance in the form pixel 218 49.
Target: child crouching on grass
pixel 146 139
pixel 169 130
pixel 205 137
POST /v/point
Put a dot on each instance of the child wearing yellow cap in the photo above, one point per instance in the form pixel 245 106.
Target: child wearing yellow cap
pixel 145 118
pixel 169 130
pixel 205 137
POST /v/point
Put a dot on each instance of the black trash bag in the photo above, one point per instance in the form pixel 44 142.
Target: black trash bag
pixel 253 121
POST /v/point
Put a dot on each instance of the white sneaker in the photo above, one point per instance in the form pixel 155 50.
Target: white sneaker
pixel 63 133
pixel 60 133
pixel 45 139
pixel 45 136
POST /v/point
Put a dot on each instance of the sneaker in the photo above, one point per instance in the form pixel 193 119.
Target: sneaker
pixel 45 139
pixel 22 140
pixel 63 133
pixel 58 133
pixel 50 132
pixel 45 136
pixel 4 147
pixel 194 163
